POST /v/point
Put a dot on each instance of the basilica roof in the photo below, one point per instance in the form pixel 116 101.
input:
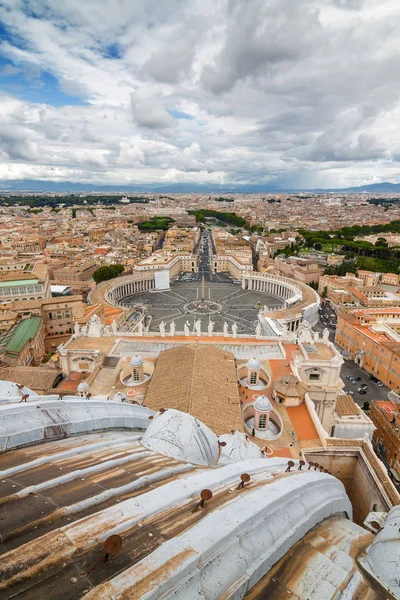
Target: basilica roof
pixel 200 380
pixel 180 530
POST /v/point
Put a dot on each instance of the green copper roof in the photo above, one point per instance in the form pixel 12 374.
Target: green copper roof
pixel 23 332
pixel 19 282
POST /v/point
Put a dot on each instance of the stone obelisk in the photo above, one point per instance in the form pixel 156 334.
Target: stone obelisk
pixel 202 290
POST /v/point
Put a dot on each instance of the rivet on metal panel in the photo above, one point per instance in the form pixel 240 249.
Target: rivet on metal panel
pixel 112 545
pixel 204 495
pixel 245 478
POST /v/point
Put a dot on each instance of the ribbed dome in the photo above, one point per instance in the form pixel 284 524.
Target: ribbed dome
pixel 181 436
pixel 263 404
pixel 136 361
pixel 83 387
pixel 253 364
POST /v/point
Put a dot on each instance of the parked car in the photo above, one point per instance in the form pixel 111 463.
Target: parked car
pixel 364 386
pixel 373 378
pixel 349 392
pixel 362 391
pixel 357 378
pixel 349 377
pixel 380 384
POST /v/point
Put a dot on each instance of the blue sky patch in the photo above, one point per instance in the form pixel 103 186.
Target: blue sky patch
pixel 25 82
pixel 180 115
pixel 111 51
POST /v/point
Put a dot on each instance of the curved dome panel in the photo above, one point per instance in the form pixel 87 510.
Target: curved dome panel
pixel 383 556
pixel 12 392
pixel 181 436
pixel 238 447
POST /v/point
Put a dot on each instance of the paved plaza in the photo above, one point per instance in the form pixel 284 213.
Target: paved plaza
pixel 233 304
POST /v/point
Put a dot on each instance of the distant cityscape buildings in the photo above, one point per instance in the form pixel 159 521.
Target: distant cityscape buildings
pixel 215 390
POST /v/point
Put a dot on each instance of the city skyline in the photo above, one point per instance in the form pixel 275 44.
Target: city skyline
pixel 266 94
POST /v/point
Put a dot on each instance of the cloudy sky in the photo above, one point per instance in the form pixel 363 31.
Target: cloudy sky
pixel 293 93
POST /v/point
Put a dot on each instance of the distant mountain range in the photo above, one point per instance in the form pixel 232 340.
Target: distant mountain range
pixel 32 185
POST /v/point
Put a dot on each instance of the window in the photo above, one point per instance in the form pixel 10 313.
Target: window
pixel 136 375
pixel 262 422
pixel 314 376
pixel 253 378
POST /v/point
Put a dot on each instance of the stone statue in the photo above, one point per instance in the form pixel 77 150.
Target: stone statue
pixel 94 329
pixel 114 327
pixel 316 336
pixel 226 332
pixel 140 328
pixel 210 327
pixel 234 330
pixel 172 328
pixel 62 351
pixel 325 335
pixel 258 330
pixel 197 326
pixel 77 329
pixel 187 328
pixel 84 330
pixel 162 329
pixel 105 331
pixel 304 333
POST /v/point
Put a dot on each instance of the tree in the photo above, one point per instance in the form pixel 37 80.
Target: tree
pixel 324 292
pixel 382 242
pixel 366 405
pixel 107 272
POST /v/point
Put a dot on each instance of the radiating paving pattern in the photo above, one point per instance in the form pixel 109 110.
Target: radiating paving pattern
pixel 236 305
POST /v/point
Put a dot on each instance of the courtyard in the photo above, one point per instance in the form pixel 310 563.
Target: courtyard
pixel 225 301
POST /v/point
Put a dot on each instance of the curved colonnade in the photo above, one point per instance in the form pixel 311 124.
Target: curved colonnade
pixel 300 300
pixel 114 291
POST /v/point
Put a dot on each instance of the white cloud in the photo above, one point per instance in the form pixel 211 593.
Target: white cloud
pixel 300 93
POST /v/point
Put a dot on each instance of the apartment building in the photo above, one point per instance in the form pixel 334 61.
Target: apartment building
pixel 369 278
pixel 74 273
pixel 372 338
pixel 20 285
pixel 299 269
pixel 385 415
pixel 59 316
pixel 23 344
